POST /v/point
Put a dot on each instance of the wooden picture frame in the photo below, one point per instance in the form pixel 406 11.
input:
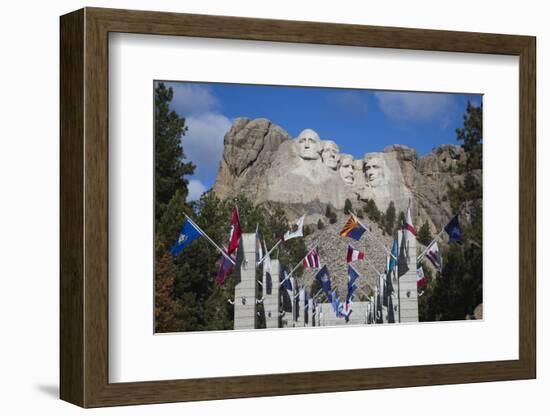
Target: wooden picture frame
pixel 84 207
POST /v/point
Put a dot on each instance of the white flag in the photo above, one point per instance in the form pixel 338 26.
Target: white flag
pixel 267 260
pixel 296 231
pixel 408 227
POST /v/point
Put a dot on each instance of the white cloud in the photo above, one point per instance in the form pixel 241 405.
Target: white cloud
pixel 191 99
pixel 203 142
pixel 196 189
pixel 407 106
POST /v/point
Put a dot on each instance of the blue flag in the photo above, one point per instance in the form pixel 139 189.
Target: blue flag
pixel 393 261
pixel 352 275
pixel 287 283
pixel 454 231
pixel 351 290
pixel 323 278
pixel 335 303
pixel 189 233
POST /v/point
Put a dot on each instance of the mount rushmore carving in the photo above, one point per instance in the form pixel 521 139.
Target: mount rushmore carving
pixel 261 160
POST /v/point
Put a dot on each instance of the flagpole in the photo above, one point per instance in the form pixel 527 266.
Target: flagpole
pixel 269 252
pixel 227 256
pixel 301 261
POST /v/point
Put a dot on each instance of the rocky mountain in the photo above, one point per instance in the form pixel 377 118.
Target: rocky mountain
pixel 305 174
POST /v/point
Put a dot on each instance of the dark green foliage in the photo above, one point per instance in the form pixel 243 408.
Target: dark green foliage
pixel 389 218
pixel 471 135
pixel 203 305
pixel 331 215
pixel 459 287
pixel 347 206
pixel 424 236
pixel 458 290
pixel 372 211
pixel 320 224
pixel 460 194
pixel 360 214
pixel 169 166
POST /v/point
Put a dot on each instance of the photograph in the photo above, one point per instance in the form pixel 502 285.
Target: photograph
pixel 301 207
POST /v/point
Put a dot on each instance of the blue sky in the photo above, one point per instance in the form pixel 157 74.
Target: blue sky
pixel 360 121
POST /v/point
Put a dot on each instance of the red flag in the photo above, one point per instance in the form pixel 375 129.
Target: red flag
pixel 312 259
pixel 235 234
pixel 354 254
pixel 410 231
pixel 226 265
pixel 420 278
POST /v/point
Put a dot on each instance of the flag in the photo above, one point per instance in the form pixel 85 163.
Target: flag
pixel 420 278
pixel 312 259
pixel 297 303
pixel 335 302
pixel 189 232
pixel 267 260
pixel 403 257
pixel 287 282
pixel 408 227
pixel 379 318
pixel 226 265
pixel 306 307
pixel 346 312
pixel 259 248
pixel 354 254
pixel 351 290
pixel 391 315
pixel 454 230
pixel 369 312
pixel 352 275
pixel 235 234
pixel 384 288
pixel 323 277
pixel 434 256
pixel 296 231
pixel 353 228
pixel 393 257
pixel 389 283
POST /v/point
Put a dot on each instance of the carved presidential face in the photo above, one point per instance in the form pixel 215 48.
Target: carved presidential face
pixel 375 170
pixel 330 154
pixel 347 169
pixel 309 145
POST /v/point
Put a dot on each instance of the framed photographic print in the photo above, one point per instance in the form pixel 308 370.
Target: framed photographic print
pixel 255 207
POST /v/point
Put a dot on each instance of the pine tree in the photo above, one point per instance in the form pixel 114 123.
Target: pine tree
pixel 459 287
pixel 389 218
pixel 169 166
pixel 347 206
pixel 471 134
pixel 424 236
pixel 320 224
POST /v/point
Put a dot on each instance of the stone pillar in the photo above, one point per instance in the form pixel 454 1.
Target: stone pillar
pixel 408 294
pixel 271 286
pixel 245 287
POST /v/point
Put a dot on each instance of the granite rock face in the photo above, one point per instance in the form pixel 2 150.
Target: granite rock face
pixel 305 174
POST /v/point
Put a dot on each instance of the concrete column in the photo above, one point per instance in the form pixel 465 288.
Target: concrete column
pixel 271 287
pixel 245 288
pixel 408 294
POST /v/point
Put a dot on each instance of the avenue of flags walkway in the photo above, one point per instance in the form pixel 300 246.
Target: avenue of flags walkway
pixel 352 229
